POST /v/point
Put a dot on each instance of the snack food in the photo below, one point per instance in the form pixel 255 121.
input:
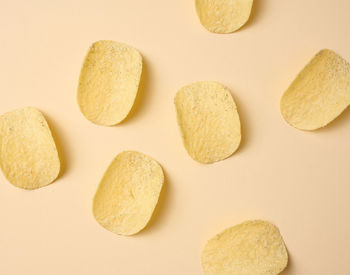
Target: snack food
pixel 253 247
pixel 109 82
pixel 223 16
pixel 28 154
pixel 208 120
pixel 319 94
pixel 128 193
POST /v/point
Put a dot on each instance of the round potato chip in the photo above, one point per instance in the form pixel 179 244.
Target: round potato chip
pixel 128 193
pixel 28 154
pixel 253 247
pixel 208 120
pixel 319 94
pixel 223 16
pixel 109 82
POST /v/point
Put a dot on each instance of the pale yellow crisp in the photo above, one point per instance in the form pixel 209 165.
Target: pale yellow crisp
pixel 251 248
pixel 223 16
pixel 128 193
pixel 319 94
pixel 109 82
pixel 208 120
pixel 28 154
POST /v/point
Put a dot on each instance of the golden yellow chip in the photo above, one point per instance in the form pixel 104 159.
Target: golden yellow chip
pixel 208 120
pixel 223 16
pixel 251 248
pixel 109 81
pixel 128 193
pixel 319 94
pixel 28 154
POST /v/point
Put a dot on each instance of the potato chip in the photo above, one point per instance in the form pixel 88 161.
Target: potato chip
pixel 208 120
pixel 128 193
pixel 28 154
pixel 109 82
pixel 319 94
pixel 223 16
pixel 251 248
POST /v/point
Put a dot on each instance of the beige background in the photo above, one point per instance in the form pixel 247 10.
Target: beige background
pixel 297 180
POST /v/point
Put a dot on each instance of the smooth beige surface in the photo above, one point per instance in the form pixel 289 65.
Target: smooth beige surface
pixel 320 92
pixel 252 247
pixel 28 154
pixel 128 193
pixel 109 81
pixel 297 180
pixel 208 121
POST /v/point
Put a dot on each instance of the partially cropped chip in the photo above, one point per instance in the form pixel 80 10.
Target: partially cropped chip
pixel 223 16
pixel 319 94
pixel 208 120
pixel 128 193
pixel 28 154
pixel 251 248
pixel 109 82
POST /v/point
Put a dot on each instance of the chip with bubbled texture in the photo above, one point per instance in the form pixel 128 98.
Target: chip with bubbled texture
pixel 209 122
pixel 109 81
pixel 250 248
pixel 28 154
pixel 319 94
pixel 223 16
pixel 128 193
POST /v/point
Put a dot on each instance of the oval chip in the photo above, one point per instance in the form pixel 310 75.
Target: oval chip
pixel 253 247
pixel 208 120
pixel 28 154
pixel 128 193
pixel 223 16
pixel 109 82
pixel 319 94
